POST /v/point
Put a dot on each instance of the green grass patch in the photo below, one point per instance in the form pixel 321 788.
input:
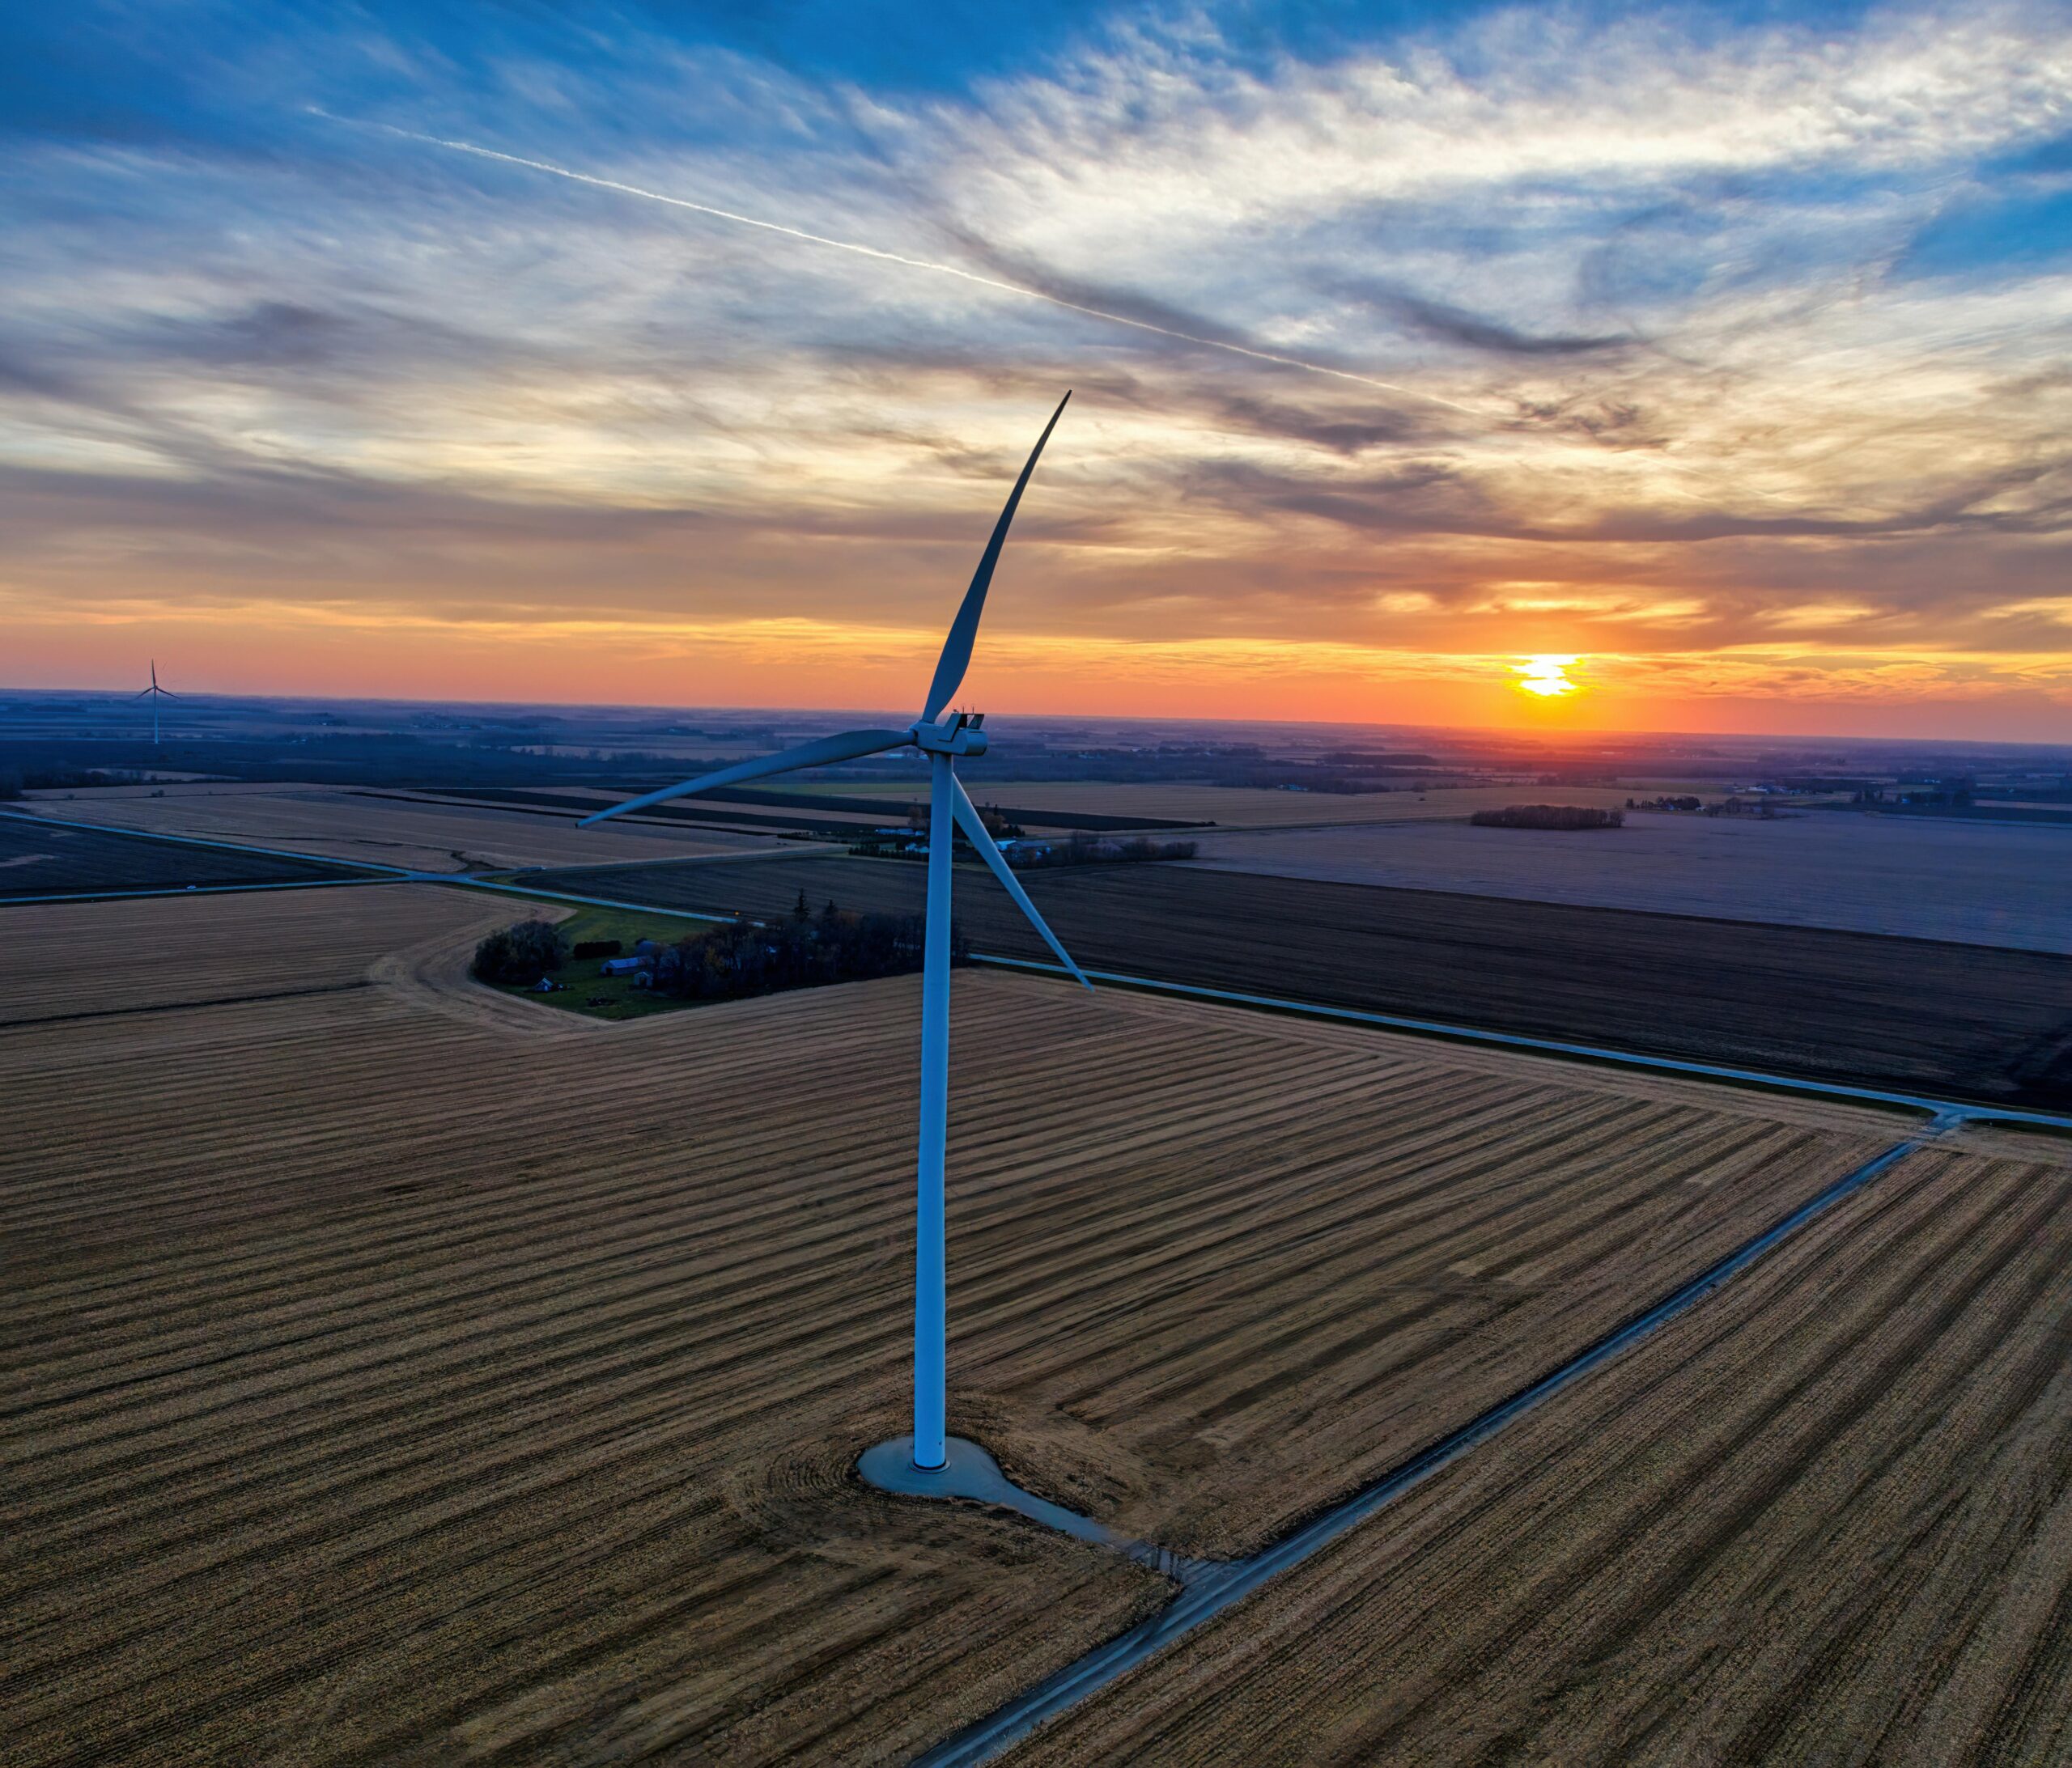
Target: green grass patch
pixel 613 997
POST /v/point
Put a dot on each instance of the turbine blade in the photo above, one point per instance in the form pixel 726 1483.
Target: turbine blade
pixel 145 695
pixel 964 630
pixel 847 747
pixel 973 826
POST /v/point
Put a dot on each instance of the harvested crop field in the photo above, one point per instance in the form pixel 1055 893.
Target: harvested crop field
pixel 39 858
pixel 344 823
pixel 1826 1516
pixel 378 1383
pixel 1979 884
pixel 1829 1005
pixel 75 961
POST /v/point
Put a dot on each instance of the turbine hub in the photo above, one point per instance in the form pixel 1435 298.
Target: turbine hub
pixel 958 734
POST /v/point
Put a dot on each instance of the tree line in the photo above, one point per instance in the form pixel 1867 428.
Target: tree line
pixel 1548 816
pixel 1085 850
pixel 736 959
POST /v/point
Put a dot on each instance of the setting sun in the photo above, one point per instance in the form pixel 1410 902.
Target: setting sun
pixel 1545 677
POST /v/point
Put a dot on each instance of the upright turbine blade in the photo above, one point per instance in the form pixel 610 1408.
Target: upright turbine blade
pixel 964 630
pixel 973 826
pixel 847 747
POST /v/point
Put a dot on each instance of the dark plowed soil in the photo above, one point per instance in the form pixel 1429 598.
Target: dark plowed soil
pixel 1951 1020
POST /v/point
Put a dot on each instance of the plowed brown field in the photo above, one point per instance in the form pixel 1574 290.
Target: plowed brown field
pixel 1805 1001
pixel 1825 1517
pixel 1914 877
pixel 376 1383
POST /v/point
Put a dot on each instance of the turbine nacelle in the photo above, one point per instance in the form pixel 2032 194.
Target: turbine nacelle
pixel 959 734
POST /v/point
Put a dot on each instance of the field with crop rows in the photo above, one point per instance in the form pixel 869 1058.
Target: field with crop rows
pixel 41 859
pixel 1982 884
pixel 348 824
pixel 1825 1517
pixel 377 1383
pixel 79 960
pixel 1832 1006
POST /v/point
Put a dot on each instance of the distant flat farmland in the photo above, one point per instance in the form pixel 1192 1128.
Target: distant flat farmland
pixel 1244 807
pixel 1943 1019
pixel 1983 884
pixel 383 1384
pixel 1824 1517
pixel 41 859
pixel 344 823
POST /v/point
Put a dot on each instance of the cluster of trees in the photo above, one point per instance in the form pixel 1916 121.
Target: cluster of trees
pixel 14 780
pixel 805 950
pixel 1682 801
pixel 1082 849
pixel 520 954
pixel 733 960
pixel 1954 795
pixel 995 819
pixel 1548 816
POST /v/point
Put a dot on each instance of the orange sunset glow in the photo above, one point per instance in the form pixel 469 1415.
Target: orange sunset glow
pixel 532 406
pixel 1545 677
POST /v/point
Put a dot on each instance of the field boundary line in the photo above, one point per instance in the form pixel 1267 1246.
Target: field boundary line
pixel 461 882
pixel 1209 1589
pixel 210 841
pixel 194 890
pixel 1949 1108
pixel 794 849
pixel 717 824
pixel 8 1025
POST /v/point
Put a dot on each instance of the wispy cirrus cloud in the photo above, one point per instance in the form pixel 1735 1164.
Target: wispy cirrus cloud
pixel 1708 330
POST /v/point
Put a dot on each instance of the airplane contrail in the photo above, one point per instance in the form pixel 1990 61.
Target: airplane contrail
pixel 899 258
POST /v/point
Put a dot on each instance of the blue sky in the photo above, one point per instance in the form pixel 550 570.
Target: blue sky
pixel 1725 347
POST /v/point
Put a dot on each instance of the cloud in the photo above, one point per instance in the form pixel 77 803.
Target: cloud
pixel 1766 354
pixel 1451 324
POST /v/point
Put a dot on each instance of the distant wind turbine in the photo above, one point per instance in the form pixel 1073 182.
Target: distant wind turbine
pixel 942 737
pixel 154 693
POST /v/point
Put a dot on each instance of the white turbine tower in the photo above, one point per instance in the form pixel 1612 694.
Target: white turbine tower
pixel 154 693
pixel 942 737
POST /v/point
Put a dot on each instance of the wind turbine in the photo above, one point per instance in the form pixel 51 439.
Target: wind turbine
pixel 942 735
pixel 154 693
